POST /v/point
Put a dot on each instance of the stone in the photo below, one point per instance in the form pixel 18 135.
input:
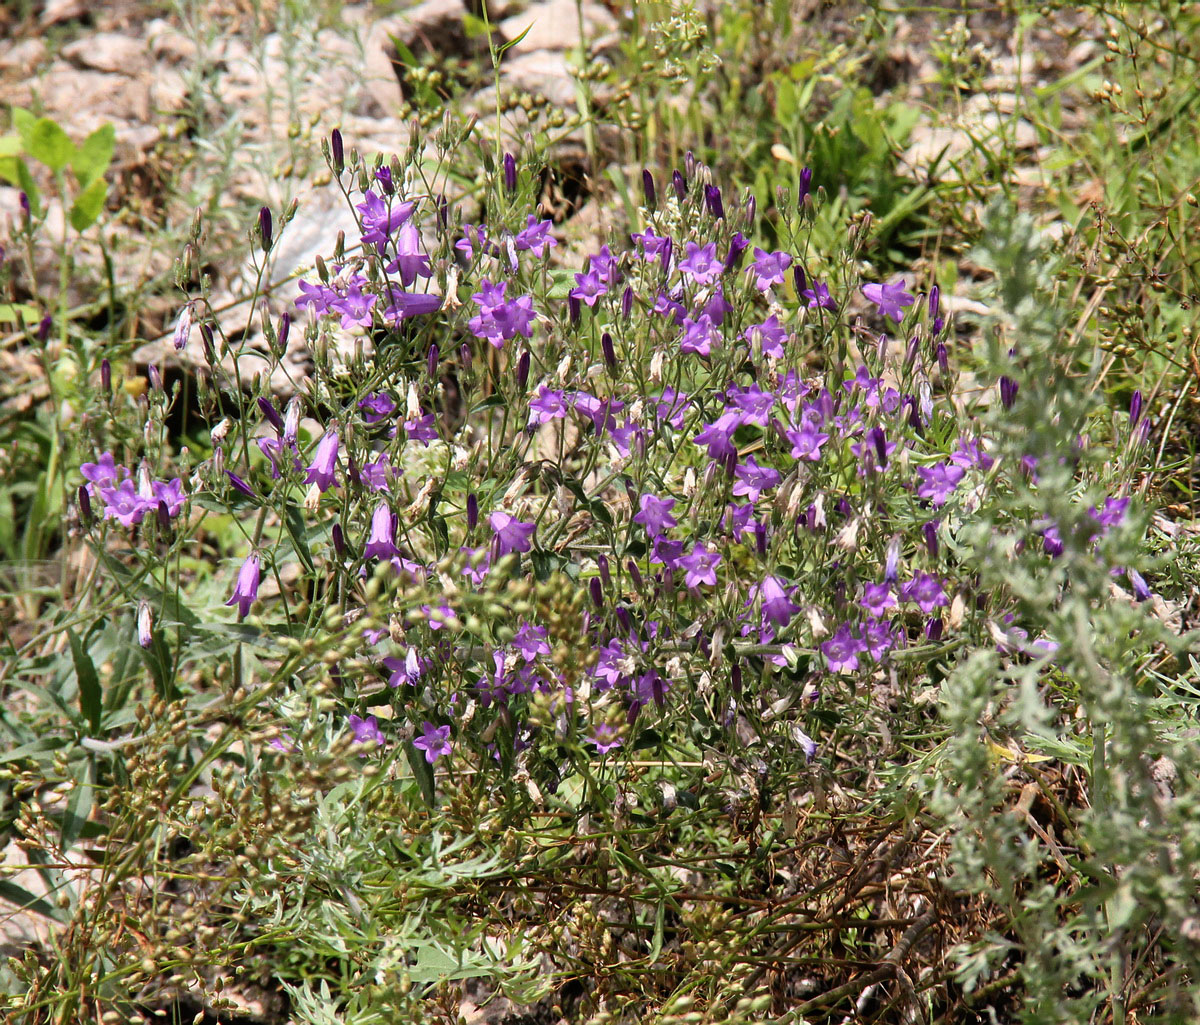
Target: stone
pixel 554 25
pixel 110 52
pixel 57 11
pixel 435 26
pixel 542 73
pixel 22 57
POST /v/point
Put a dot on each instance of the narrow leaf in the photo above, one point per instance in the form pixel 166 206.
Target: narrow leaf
pixel 90 703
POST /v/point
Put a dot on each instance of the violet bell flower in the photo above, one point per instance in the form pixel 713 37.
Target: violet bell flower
pixel 245 590
pixel 322 470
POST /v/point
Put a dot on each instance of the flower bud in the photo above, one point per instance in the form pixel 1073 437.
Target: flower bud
pixel 573 309
pixel 679 185
pixel 472 510
pixel 712 199
pixel 44 326
pixel 804 185
pixel 145 624
pixel 627 302
pixel 799 280
pixel 610 354
pixel 648 189
pixel 596 590
pixel 106 377
pixel 624 620
pixel 1008 392
pixel 635 574
pixel 689 164
pixel 931 540
pixel 510 172
pixel 164 515
pixel 338 539
pixel 523 370
pixel 264 225
pixel 943 359
pixel 155 376
pixel 602 565
pixel 285 329
pixel 1135 409
pixel 85 505
pixel 339 156
pixel 432 357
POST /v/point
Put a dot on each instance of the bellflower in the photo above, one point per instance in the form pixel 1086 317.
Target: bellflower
pixel 700 263
pixel 511 534
pixel 322 470
pixel 769 336
pixel 776 607
pixel 926 590
pixel 655 514
pixel 366 731
pixel 410 263
pixel 768 268
pixel 938 482
pixel 701 565
pixel 753 480
pixel 699 336
pixel 381 544
pixel 435 741
pixel 841 651
pixel 891 300
pixel 245 590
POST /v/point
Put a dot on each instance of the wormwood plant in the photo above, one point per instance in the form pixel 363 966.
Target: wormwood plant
pixel 564 617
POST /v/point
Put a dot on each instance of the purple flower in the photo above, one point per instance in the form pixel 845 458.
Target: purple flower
pixel 422 429
pixel 124 504
pixel 548 405
pixel 841 651
pixel 169 494
pixel 435 741
pixel 818 297
pixel 806 441
pixel 701 566
pixel 1052 542
pixel 409 304
pixel 322 470
pixel 1112 513
pixel 535 236
pixel 589 287
pixel 776 607
pixel 670 407
pixel 753 480
pixel 926 590
pixel 655 514
pixel 104 472
pixel 410 263
pixel 404 671
pixel 355 307
pixel 768 268
pixel 938 482
pixel 530 641
pixel 891 300
pixel 511 534
pixel 319 297
pixel 970 454
pixel 717 436
pixel 378 221
pixel 245 591
pixel 652 244
pixel 769 335
pixel 381 544
pixel 376 406
pixel 754 402
pixel 876 599
pixel 377 473
pixel 700 263
pixel 699 336
pixel 879 638
pixel 366 731
pixel 604 738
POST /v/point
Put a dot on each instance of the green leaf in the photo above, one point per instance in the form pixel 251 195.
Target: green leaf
pixel 422 772
pixel 90 703
pixel 79 805
pixel 48 143
pixel 94 155
pixel 88 205
pixel 29 187
pixel 27 901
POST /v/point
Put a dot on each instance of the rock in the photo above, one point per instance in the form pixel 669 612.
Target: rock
pixel 64 89
pixel 435 26
pixel 111 52
pixel 542 73
pixel 947 145
pixel 57 11
pixel 22 57
pixel 169 44
pixel 554 25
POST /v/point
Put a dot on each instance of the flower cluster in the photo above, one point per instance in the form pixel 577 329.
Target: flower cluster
pixel 128 502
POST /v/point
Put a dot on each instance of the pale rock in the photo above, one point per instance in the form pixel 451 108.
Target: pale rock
pixel 554 25
pixel 107 96
pixel 169 44
pixel 435 26
pixel 57 11
pixel 22 57
pixel 947 145
pixel 542 73
pixel 110 52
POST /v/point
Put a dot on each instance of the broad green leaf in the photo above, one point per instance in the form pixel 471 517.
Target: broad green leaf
pixel 48 143
pixel 94 155
pixel 88 205
pixel 23 121
pixel 90 703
